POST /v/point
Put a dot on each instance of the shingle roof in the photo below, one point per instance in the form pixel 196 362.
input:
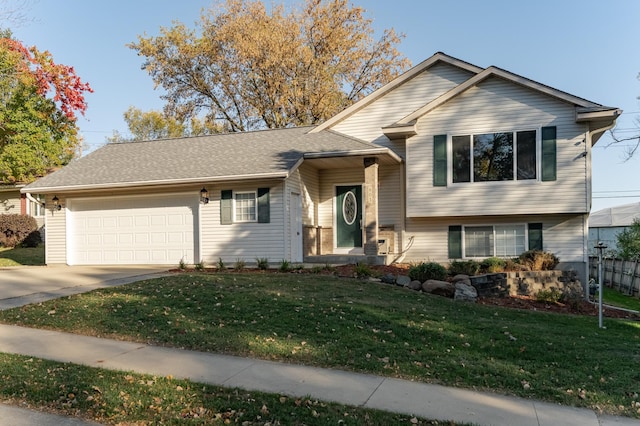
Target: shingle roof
pixel 232 155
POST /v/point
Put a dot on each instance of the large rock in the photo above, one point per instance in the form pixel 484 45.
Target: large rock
pixel 403 280
pixel 441 288
pixel 465 292
pixel 461 278
pixel 389 279
pixel 415 285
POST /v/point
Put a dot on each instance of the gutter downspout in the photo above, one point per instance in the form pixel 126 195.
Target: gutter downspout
pixel 585 254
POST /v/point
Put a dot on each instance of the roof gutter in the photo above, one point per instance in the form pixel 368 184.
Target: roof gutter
pixel 586 114
pixel 359 153
pixel 119 185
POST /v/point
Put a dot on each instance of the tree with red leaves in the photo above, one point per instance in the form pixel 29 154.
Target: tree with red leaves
pixel 39 100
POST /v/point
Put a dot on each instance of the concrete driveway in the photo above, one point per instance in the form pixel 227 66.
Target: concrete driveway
pixel 23 285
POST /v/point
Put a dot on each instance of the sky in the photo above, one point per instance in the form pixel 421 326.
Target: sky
pixel 584 47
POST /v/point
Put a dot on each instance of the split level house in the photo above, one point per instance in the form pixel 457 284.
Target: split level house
pixel 447 161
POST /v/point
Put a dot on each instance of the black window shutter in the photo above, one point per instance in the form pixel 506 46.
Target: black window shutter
pixel 226 207
pixel 549 161
pixel 455 242
pixel 440 160
pixel 263 205
pixel 535 236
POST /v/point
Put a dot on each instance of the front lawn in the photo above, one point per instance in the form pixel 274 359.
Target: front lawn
pixel 115 397
pixel 366 327
pixel 20 256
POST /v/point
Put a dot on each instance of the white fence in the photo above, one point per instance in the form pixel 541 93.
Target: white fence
pixel 622 275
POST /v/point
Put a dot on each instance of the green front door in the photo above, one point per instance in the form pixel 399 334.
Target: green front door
pixel 349 216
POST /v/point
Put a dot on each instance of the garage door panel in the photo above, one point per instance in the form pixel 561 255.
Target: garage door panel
pixel 158 221
pixel 158 238
pixel 142 239
pixel 125 222
pixel 142 221
pixel 109 222
pixel 145 230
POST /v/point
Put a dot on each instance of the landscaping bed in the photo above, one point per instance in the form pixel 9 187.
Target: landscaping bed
pixel 576 307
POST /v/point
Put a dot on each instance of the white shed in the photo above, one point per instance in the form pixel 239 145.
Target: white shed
pixel 606 224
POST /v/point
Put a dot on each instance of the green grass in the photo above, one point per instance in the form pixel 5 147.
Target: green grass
pixel 615 298
pixel 366 327
pixel 128 398
pixel 21 256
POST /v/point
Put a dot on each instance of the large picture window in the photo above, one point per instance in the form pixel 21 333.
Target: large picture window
pixel 494 241
pixel 490 157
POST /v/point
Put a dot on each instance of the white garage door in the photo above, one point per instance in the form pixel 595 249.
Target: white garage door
pixel 132 230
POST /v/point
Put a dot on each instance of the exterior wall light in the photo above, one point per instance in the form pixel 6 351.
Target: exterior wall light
pixel 56 203
pixel 204 196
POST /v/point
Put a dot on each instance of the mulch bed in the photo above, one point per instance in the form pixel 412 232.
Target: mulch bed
pixel 579 307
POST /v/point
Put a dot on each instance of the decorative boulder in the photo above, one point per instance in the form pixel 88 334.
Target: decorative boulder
pixel 465 292
pixel 403 280
pixel 461 278
pixel 388 279
pixel 440 288
pixel 415 285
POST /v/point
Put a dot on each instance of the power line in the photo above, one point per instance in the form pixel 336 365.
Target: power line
pixel 617 196
pixel 614 190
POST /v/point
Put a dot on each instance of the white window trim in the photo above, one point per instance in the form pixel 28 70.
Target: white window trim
pixel 538 131
pixel 33 200
pixel 493 225
pixel 255 213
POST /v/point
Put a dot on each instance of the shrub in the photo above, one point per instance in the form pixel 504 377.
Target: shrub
pixel 362 270
pixel 552 295
pixel 427 271
pixel 513 265
pixel 15 228
pixel 465 267
pixel 285 266
pixel 33 239
pixel 491 265
pixel 263 263
pixel 199 266
pixel 538 260
pixel 182 265
pixel 239 265
pixel 220 265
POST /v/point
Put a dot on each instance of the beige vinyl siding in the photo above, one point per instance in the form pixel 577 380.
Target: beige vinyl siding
pixel 244 241
pixel 55 232
pixel 329 179
pixel 562 235
pixel 10 202
pixel 494 106
pixel 306 182
pixel 391 201
pixel 367 123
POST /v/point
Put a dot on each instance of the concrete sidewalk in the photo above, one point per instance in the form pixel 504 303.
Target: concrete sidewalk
pixel 411 398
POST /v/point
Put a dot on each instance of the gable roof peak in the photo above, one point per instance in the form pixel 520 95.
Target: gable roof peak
pixel 434 59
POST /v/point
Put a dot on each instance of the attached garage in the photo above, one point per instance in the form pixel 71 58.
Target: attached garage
pixel 139 230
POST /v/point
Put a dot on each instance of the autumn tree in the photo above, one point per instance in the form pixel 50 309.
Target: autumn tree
pixel 150 125
pixel 629 242
pixel 39 100
pixel 252 68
